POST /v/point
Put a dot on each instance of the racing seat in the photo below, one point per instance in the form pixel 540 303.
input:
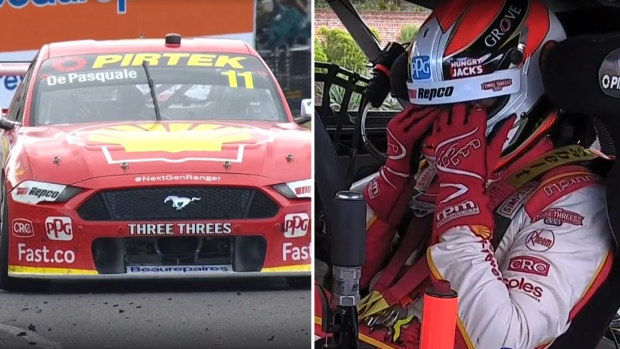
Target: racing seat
pixel 590 325
pixel 592 322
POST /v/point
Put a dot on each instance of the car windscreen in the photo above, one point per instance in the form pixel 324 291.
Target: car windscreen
pixel 188 86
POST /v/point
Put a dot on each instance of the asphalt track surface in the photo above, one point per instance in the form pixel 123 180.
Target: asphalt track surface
pixel 239 313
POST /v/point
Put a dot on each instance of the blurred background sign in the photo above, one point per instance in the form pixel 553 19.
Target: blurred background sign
pixel 283 39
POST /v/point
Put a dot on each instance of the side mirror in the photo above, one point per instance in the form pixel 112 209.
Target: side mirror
pixel 307 109
pixel 5 123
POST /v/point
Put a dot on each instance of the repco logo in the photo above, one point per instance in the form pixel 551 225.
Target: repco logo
pixel 39 193
pixel 296 225
pixel 529 264
pixel 430 93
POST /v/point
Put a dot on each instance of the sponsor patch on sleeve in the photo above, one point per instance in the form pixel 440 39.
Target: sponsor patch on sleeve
pixel 558 216
pixel 530 265
pixel 540 240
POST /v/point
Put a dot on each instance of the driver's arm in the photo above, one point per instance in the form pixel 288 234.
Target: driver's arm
pixel 524 295
pixel 388 194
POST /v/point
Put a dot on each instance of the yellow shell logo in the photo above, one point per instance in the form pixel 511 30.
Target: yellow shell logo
pixel 171 138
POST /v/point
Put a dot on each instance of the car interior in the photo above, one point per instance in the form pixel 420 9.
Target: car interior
pixel 346 136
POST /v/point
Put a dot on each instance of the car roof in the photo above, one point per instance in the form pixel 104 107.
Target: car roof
pixel 82 47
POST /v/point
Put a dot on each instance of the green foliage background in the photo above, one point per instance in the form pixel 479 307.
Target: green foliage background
pixel 377 5
pixel 333 45
pixel 407 33
pixel 338 47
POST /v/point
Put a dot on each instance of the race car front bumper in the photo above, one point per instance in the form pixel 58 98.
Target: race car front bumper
pixel 130 232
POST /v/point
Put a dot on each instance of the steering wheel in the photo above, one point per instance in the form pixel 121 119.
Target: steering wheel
pixel 362 114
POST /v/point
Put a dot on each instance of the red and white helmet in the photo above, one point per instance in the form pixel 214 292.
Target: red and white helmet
pixel 470 50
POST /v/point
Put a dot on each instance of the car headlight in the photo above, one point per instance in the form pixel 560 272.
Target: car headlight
pixel 295 190
pixel 33 192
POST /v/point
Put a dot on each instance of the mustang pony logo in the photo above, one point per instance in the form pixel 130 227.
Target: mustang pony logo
pixel 173 142
pixel 180 202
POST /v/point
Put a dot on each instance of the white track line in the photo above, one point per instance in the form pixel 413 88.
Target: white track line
pixel 30 336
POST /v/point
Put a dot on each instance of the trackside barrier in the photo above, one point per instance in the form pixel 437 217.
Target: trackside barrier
pixel 292 67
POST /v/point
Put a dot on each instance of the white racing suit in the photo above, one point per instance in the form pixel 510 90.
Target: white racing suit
pixel 554 254
pixel 555 251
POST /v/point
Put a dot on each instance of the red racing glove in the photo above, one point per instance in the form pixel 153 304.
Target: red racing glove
pixel 465 162
pixel 387 194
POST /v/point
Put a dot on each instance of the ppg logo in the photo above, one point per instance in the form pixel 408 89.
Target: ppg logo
pixel 296 225
pixel 59 228
pixel 421 68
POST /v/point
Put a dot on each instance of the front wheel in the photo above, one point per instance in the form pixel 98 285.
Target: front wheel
pixel 6 282
pixel 299 281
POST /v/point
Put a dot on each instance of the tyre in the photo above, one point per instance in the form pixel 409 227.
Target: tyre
pixel 299 281
pixel 6 282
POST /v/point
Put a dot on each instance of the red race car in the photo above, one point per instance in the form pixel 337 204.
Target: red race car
pixel 153 158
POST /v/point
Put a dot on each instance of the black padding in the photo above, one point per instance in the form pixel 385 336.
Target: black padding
pixel 398 77
pixel 330 176
pixel 590 20
pixel 571 79
pixel 592 321
pixel 613 197
pixel 571 76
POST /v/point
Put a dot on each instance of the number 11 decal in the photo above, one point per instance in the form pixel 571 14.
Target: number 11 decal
pixel 232 78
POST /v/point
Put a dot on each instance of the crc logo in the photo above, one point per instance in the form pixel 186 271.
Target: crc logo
pixel 529 264
pixel 296 225
pixel 179 202
pixel 421 68
pixel 22 228
pixel 59 228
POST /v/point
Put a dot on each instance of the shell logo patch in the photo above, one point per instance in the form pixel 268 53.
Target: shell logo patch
pixel 172 138
pixel 173 142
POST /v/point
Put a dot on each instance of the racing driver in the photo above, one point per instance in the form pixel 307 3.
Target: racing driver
pixel 508 213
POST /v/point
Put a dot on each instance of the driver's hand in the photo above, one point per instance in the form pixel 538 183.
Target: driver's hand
pixel 388 194
pixel 403 131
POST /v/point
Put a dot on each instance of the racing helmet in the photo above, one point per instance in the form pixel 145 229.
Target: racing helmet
pixel 486 51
